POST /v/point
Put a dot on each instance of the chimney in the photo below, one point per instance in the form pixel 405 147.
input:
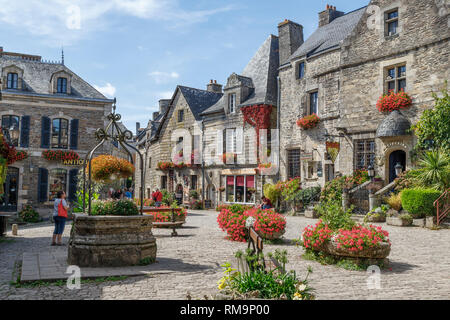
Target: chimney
pixel 138 126
pixel 290 37
pixel 213 86
pixel 328 15
pixel 163 105
pixel 155 115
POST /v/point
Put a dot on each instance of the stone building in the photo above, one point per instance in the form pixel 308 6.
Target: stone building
pixel 207 128
pixel 53 109
pixel 339 73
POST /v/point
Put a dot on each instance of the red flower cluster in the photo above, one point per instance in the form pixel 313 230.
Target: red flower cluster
pixel 308 122
pixel 60 155
pixel 360 238
pixel 147 202
pixel 166 216
pixel 165 165
pixel 393 101
pixel 267 223
pixel 265 165
pixel 316 236
pixel 356 239
pixel 20 155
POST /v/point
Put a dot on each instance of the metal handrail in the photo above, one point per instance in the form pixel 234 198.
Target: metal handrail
pixel 446 209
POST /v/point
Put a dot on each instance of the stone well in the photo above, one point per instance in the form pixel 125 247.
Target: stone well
pixel 111 241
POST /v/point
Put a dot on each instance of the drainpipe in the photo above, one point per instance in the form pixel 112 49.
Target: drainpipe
pixel 278 124
pixel 203 163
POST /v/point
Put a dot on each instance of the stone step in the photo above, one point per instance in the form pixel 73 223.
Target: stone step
pixel 358 217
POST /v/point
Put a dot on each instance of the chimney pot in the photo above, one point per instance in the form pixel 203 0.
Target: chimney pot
pixel 328 15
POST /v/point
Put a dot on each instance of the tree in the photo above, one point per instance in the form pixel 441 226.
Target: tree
pixel 433 128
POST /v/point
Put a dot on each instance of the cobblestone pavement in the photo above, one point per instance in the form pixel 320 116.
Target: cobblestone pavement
pixel 420 265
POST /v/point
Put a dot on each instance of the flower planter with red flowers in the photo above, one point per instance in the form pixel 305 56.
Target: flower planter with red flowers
pixel 394 101
pixel 21 155
pixel 60 155
pixel 165 165
pixel 308 122
pixel 360 241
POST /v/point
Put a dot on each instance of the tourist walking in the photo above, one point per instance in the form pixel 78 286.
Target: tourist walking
pixel 128 194
pixel 157 196
pixel 60 208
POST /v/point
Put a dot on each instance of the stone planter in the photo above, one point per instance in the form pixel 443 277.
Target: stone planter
pixel 419 222
pixel 381 251
pixel 430 222
pixel 399 222
pixel 311 213
pixel 273 236
pixel 111 241
pixel 375 218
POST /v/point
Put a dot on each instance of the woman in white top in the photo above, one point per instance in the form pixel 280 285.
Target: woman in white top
pixel 60 221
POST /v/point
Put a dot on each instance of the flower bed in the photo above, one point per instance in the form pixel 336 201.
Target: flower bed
pixel 104 167
pixel 393 101
pixel 269 224
pixel 308 122
pixel 60 155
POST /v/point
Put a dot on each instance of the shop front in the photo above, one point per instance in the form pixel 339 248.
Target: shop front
pixel 240 186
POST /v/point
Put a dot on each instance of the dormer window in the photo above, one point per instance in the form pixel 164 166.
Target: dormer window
pixel 12 81
pixel 61 86
pixel 180 115
pixel 232 103
pixel 391 22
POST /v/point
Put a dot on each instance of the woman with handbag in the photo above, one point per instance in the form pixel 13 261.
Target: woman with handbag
pixel 60 208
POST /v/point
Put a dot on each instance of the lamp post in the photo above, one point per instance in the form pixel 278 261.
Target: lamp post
pixel 398 169
pixel 371 172
pixel 14 134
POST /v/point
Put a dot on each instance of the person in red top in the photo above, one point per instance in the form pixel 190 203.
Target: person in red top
pixel 157 196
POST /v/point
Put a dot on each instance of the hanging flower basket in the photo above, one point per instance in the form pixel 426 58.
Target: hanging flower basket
pixel 308 122
pixel 60 155
pixel 107 167
pixel 333 149
pixel 394 101
pixel 221 189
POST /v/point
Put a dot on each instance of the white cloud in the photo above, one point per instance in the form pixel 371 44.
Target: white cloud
pixel 165 94
pixel 163 77
pixel 108 90
pixel 66 21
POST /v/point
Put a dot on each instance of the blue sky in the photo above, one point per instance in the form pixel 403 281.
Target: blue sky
pixel 139 50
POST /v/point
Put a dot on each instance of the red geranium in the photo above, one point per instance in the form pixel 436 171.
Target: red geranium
pixel 393 101
pixel 308 122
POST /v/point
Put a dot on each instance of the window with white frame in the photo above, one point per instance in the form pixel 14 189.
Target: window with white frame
pixel 232 103
pixel 231 140
pixel 240 189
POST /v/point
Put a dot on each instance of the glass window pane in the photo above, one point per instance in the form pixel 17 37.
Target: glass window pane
pixel 392 27
pixel 391 73
pixel 401 71
pixel 391 85
pixel 57 182
pixel 393 14
pixel 313 103
pixel 402 85
pixel 301 70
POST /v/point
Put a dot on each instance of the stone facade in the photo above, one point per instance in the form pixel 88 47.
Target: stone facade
pixel 350 75
pixel 35 104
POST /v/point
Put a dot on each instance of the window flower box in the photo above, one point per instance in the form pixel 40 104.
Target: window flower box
pixel 394 101
pixel 60 155
pixel 308 122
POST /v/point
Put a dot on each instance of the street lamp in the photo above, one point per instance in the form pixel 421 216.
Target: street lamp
pixel 14 133
pixel 371 172
pixel 398 169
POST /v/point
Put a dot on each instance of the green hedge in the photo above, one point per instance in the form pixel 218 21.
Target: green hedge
pixel 114 208
pixel 419 201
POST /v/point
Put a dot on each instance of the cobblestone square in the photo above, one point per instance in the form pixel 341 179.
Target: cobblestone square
pixel 420 265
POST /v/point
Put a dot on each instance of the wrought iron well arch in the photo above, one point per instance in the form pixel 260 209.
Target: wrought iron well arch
pixel 108 134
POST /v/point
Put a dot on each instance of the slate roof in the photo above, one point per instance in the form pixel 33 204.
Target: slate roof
pixel 37 76
pixel 199 100
pixel 261 74
pixel 329 36
pixel 395 124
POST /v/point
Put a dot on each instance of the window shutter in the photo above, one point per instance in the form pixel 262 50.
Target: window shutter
pixel 73 180
pixel 74 134
pixel 25 132
pixel 42 185
pixel 45 132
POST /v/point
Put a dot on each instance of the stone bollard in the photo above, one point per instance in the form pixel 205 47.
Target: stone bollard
pixel 14 229
pixel 374 201
pixel 345 200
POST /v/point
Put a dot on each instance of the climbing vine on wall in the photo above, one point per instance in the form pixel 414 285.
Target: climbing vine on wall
pixel 258 116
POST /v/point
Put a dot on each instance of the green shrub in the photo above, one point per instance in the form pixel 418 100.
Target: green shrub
pixel 308 195
pixel 335 216
pixel 395 201
pixel 167 197
pixel 271 192
pixel 28 214
pixel 114 208
pixel 419 201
